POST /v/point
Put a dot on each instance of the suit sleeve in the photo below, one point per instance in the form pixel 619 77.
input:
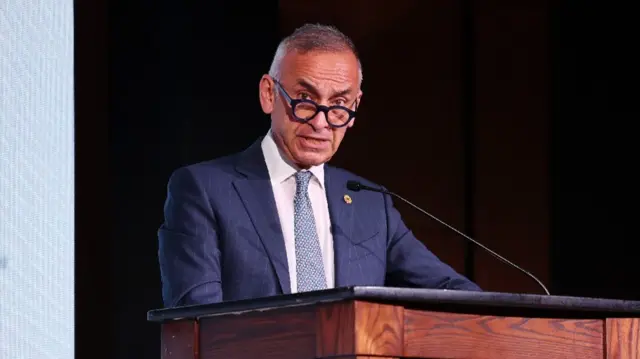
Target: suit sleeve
pixel 411 264
pixel 188 251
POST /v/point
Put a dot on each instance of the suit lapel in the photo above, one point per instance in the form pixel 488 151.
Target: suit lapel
pixel 341 214
pixel 257 196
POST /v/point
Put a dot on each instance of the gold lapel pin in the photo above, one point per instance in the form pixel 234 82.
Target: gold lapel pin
pixel 347 199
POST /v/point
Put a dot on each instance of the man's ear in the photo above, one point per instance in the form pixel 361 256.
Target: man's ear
pixel 267 94
pixel 359 97
pixel 358 100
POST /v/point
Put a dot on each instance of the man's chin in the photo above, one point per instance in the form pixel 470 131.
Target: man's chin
pixel 311 159
pixel 305 144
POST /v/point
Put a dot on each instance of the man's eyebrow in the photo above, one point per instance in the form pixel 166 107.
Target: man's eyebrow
pixel 343 92
pixel 309 87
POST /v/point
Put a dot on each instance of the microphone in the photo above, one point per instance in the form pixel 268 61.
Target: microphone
pixel 357 186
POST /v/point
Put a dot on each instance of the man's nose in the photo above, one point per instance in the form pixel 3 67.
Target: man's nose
pixel 320 121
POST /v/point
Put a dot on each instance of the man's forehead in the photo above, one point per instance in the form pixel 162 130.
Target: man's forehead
pixel 338 71
pixel 344 63
pixel 314 55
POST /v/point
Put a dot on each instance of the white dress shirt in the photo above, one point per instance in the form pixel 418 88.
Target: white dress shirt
pixel 283 182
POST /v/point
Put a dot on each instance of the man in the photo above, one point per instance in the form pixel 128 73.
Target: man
pixel 275 218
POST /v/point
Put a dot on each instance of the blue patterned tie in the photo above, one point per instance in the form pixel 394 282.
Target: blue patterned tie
pixel 309 264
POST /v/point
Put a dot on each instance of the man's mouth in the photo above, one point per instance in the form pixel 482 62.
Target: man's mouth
pixel 318 139
pixel 317 142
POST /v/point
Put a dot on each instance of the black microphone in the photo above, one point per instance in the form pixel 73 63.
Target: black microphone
pixel 357 186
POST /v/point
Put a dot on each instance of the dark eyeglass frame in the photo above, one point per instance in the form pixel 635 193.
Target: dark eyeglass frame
pixel 319 108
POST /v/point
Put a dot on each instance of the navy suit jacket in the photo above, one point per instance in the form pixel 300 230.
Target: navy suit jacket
pixel 221 239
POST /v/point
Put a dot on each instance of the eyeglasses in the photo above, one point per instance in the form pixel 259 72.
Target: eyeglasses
pixel 304 110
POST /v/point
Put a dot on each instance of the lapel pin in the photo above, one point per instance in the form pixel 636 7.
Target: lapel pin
pixel 347 199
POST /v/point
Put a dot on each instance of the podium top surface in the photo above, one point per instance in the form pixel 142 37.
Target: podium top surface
pixel 491 303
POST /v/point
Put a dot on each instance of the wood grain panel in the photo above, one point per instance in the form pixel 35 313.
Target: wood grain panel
pixel 623 338
pixel 336 333
pixel 448 335
pixel 359 328
pixel 287 333
pixel 179 340
pixel 379 329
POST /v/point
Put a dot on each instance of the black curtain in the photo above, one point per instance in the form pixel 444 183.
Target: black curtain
pixel 183 88
pixel 594 150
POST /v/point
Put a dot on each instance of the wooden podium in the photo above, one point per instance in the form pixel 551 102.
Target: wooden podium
pixel 373 322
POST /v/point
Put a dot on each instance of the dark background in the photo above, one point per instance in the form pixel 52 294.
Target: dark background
pixel 510 120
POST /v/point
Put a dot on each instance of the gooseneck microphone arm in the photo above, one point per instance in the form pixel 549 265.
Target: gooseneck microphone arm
pixel 357 186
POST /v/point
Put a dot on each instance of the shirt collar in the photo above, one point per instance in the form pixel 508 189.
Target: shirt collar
pixel 280 169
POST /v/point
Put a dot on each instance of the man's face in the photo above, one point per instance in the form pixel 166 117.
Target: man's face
pixel 325 78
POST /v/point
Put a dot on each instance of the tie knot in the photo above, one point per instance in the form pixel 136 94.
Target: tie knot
pixel 302 180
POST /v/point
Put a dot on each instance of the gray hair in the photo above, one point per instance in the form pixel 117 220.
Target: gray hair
pixel 314 37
